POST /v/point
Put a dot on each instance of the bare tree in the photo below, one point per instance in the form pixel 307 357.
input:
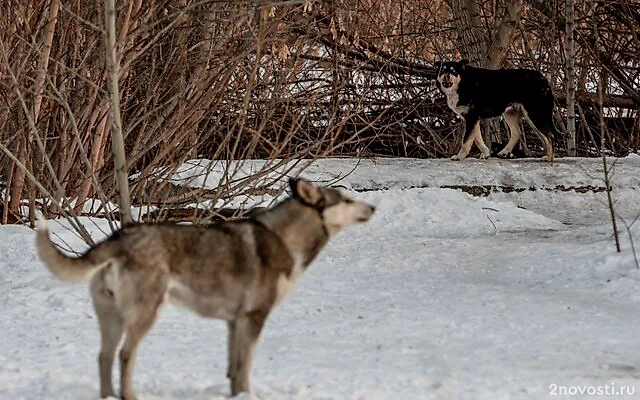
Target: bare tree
pixel 605 166
pixel 113 73
pixel 571 77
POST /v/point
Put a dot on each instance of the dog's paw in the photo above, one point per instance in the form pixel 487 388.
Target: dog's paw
pixel 546 158
pixel 485 156
pixel 455 158
pixel 506 154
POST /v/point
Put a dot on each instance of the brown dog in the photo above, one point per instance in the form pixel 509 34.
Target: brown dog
pixel 236 271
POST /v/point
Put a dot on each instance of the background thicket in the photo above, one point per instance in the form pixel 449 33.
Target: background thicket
pixel 283 80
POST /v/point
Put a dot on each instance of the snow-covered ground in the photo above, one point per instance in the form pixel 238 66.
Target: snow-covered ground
pixel 442 295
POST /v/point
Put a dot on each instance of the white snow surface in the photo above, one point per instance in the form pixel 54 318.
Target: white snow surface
pixel 385 173
pixel 442 295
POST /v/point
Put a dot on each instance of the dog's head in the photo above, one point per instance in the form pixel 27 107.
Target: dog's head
pixel 449 73
pixel 336 209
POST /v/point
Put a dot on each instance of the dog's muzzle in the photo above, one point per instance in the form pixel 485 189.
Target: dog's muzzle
pixel 370 210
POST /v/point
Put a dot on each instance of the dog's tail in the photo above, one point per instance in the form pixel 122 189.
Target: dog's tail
pixel 69 269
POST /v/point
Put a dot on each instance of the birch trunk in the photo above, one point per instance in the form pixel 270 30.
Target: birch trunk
pixel 117 140
pixel 571 79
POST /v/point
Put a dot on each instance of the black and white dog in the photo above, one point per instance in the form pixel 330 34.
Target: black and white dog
pixel 477 93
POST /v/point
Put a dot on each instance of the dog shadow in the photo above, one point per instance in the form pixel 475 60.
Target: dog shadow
pixel 208 392
pixel 70 390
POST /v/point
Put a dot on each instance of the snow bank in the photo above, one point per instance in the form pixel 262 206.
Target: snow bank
pixel 442 295
pixel 383 173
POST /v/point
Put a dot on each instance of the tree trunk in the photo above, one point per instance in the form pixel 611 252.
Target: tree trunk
pixel 473 44
pixel 507 28
pixel 117 140
pixel 571 78
pixel 96 144
pixel 18 181
pixel 496 55
pixel 100 131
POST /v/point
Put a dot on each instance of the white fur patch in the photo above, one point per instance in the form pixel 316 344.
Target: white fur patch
pixel 180 295
pixel 343 214
pixel 112 276
pixel 215 306
pixel 452 95
pixel 285 285
pixel 452 101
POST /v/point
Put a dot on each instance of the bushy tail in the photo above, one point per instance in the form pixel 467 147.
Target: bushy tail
pixel 67 268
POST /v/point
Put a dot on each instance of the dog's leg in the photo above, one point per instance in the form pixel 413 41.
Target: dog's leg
pixel 477 138
pixel 472 123
pixel 542 123
pixel 111 330
pixel 524 147
pixel 548 146
pixel 512 117
pixel 232 359
pixel 136 330
pixel 246 333
pixel 140 308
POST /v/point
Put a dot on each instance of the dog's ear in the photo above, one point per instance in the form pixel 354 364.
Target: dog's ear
pixel 437 65
pixel 306 191
pixel 462 63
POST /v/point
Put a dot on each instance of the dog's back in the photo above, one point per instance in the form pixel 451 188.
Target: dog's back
pixel 492 91
pixel 225 247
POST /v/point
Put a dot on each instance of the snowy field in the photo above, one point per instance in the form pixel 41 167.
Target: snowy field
pixel 442 295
